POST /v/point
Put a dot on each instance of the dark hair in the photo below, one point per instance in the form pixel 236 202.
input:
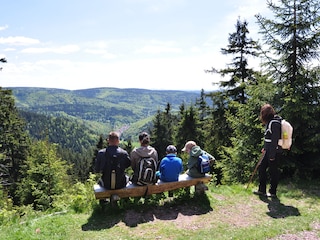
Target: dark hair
pixel 267 113
pixel 144 138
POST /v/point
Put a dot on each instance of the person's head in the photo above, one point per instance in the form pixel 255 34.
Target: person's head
pixel 113 139
pixel 144 139
pixel 171 149
pixel 266 113
pixel 188 146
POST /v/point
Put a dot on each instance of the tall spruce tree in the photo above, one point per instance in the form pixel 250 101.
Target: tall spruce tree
pixel 163 130
pixel 188 127
pixel 14 141
pixel 241 47
pixel 293 38
pixel 240 157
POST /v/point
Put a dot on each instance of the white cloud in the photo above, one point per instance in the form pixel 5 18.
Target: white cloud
pixel 59 50
pixel 161 73
pixel 9 49
pixel 19 40
pixel 126 55
pixel 157 47
pixel 3 27
pixel 152 49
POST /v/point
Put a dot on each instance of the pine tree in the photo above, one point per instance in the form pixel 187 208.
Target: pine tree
pixel 188 127
pixel 14 141
pixel 45 176
pixel 240 156
pixel 99 146
pixel 241 47
pixel 293 39
pixel 163 130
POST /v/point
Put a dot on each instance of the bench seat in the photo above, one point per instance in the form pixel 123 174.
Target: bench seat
pixel 132 190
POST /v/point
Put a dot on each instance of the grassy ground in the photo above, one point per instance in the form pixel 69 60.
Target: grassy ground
pixel 224 212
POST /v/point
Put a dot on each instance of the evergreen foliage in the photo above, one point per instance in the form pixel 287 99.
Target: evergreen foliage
pixel 293 39
pixel 163 130
pixel 14 142
pixel 188 129
pixel 239 159
pixel 44 176
pixel 241 47
pixel 101 109
pixel 52 172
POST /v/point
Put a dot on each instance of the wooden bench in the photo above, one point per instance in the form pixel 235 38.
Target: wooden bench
pixel 132 190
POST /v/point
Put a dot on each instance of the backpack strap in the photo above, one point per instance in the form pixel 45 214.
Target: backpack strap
pixel 272 121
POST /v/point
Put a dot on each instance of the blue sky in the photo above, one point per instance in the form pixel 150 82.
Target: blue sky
pixel 151 44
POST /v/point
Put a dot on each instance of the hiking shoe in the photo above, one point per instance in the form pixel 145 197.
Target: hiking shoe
pixel 272 195
pixel 200 188
pixel 259 193
pixel 114 198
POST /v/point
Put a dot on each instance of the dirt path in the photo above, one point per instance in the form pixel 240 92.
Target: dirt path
pixel 240 215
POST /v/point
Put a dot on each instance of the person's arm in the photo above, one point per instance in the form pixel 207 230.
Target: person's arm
pixel 133 157
pixel 181 166
pixel 127 159
pixel 275 135
pixel 99 163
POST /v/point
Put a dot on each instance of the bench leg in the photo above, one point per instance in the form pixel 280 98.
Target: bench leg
pixel 170 194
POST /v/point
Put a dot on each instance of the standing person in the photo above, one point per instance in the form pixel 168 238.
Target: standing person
pixel 144 161
pixel 112 162
pixel 194 153
pixel 170 165
pixel 271 151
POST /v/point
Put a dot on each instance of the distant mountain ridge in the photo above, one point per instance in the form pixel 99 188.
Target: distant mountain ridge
pixel 102 109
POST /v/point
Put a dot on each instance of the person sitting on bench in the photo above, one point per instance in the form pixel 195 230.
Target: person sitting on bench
pixel 170 166
pixel 112 162
pixel 194 152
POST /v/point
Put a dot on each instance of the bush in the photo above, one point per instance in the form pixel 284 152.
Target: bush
pixel 79 198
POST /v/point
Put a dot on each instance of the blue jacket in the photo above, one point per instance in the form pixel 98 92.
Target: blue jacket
pixel 170 168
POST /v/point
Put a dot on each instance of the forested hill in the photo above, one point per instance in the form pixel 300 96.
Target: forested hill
pixel 101 108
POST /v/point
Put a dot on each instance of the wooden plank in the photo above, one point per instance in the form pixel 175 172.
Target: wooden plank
pixel 136 191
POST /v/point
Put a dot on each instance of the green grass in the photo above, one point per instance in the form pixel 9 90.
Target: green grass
pixel 224 212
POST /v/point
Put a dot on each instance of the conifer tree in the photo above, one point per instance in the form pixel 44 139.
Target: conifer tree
pixel 293 39
pixel 14 141
pixel 241 47
pixel 188 127
pixel 99 146
pixel 163 130
pixel 45 176
pixel 202 105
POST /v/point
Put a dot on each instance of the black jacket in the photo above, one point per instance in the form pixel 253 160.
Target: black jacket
pixel 109 159
pixel 271 137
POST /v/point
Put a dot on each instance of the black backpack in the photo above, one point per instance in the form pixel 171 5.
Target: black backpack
pixel 113 174
pixel 146 171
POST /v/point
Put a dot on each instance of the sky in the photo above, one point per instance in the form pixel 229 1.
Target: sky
pixel 149 44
